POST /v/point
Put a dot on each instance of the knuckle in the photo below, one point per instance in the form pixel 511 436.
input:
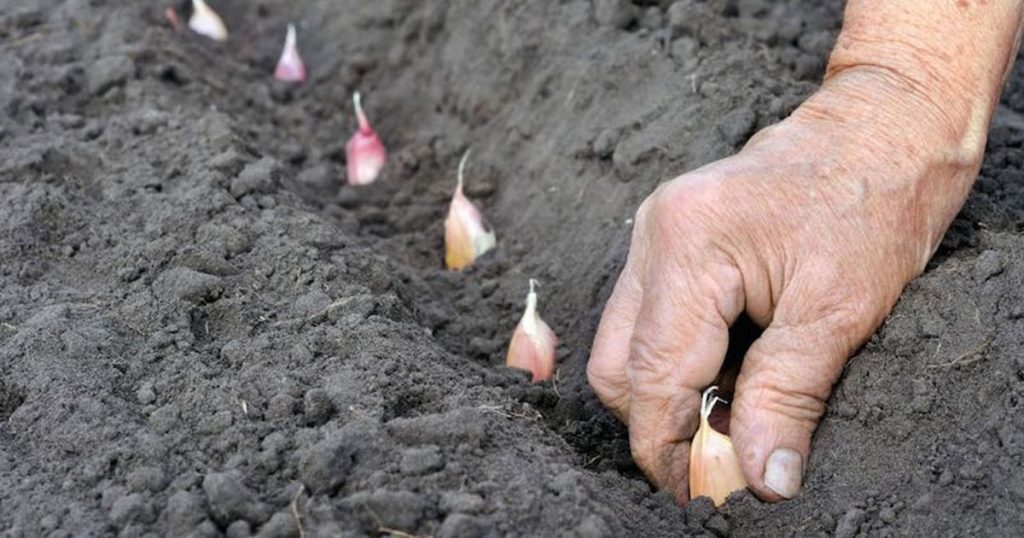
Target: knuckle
pixel 844 315
pixel 722 291
pixel 693 210
pixel 673 199
pixel 682 195
pixel 689 217
pixel 648 361
pixel 772 394
pixel 835 303
pixel 603 379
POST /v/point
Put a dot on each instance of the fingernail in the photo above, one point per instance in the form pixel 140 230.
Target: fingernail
pixel 784 471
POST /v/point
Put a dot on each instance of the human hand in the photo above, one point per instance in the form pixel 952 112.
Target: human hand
pixel 813 230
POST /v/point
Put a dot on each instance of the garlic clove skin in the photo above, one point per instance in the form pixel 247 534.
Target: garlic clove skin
pixel 172 18
pixel 466 234
pixel 714 466
pixel 533 343
pixel 205 21
pixel 364 153
pixel 290 67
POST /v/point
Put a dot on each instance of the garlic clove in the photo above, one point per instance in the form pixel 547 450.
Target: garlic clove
pixel 290 67
pixel 364 153
pixel 172 18
pixel 714 466
pixel 533 343
pixel 205 21
pixel 466 234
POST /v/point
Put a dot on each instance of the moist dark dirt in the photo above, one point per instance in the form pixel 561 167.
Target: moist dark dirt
pixel 203 333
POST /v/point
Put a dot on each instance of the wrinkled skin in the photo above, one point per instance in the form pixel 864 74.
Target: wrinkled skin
pixel 813 230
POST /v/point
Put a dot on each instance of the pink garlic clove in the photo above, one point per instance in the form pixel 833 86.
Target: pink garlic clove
pixel 533 343
pixel 466 234
pixel 290 67
pixel 172 19
pixel 364 152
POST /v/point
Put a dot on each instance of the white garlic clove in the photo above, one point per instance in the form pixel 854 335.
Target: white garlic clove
pixel 714 466
pixel 205 21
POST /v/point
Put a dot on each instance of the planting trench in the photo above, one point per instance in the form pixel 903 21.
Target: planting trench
pixel 197 318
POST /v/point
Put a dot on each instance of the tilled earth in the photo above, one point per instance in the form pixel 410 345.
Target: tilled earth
pixel 204 333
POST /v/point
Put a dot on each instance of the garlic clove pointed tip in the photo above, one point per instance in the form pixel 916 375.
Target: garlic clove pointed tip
pixel 364 124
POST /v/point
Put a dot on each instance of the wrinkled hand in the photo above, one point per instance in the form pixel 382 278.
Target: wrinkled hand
pixel 813 230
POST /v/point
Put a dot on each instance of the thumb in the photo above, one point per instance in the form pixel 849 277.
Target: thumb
pixel 786 378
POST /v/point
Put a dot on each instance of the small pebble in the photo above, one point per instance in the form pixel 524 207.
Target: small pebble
pixel 849 524
pixel 604 145
pixel 282 406
pixel 146 394
pixel 259 177
pixel 317 407
pixel 738 125
pixel 987 265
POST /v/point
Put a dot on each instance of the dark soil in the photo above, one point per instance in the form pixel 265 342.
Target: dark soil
pixel 202 331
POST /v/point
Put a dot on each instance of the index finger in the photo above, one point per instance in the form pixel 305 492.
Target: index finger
pixel 678 345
